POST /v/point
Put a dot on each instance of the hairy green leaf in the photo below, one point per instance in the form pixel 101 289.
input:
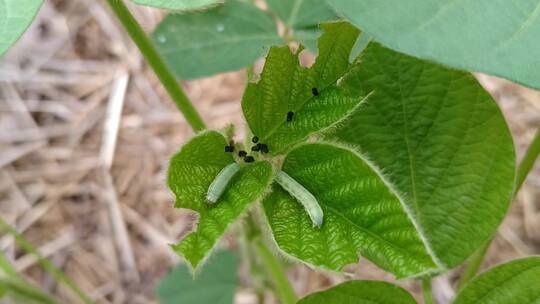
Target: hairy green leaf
pixel 216 284
pixel 225 38
pixel 15 17
pixel 498 37
pixel 181 5
pixel 361 292
pixel 516 282
pixel 285 86
pixel 191 172
pixel 442 143
pixel 361 215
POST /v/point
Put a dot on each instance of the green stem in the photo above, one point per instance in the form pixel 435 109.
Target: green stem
pixel 528 161
pixel 44 262
pixel 275 270
pixel 23 290
pixel 426 290
pixel 473 265
pixel 526 165
pixel 157 63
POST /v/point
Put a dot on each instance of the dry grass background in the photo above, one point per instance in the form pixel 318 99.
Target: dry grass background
pixel 85 134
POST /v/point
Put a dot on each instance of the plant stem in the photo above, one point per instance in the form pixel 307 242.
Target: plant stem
pixel 44 262
pixel 157 63
pixel 24 290
pixel 526 165
pixel 426 290
pixel 275 270
pixel 473 265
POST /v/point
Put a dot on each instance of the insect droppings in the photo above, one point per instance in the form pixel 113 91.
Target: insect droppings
pixel 249 159
pixel 255 139
pixel 218 186
pixel 303 196
pixel 242 153
pixel 290 115
pixel 263 148
pixel 229 148
pixel 315 92
pixel 256 148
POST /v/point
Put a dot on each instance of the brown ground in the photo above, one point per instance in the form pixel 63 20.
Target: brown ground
pixel 98 208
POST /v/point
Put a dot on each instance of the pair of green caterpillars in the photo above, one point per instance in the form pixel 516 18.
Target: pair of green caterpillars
pixel 295 189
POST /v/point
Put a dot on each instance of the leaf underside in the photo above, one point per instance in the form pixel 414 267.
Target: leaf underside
pixel 15 17
pixel 216 284
pixel 498 37
pixel 516 282
pixel 191 172
pixel 361 292
pixel 180 5
pixel 440 140
pixel 225 38
pixel 285 86
pixel 303 18
pixel 361 215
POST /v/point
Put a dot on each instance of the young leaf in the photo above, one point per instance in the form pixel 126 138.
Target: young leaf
pixel 442 143
pixel 190 174
pixel 286 87
pixel 361 215
pixel 497 37
pixel 15 17
pixel 361 292
pixel 180 5
pixel 516 282
pixel 225 38
pixel 216 284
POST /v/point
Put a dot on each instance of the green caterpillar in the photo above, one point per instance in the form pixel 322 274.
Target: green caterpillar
pixel 218 186
pixel 303 196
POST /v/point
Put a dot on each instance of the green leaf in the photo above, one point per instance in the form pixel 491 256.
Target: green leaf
pixel 440 141
pixel 15 17
pixel 225 38
pixel 361 292
pixel 516 282
pixel 361 215
pixel 498 37
pixel 216 284
pixel 286 86
pixel 191 172
pixel 181 5
pixel 298 14
pixel 302 18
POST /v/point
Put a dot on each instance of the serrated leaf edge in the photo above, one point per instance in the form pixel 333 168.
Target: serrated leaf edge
pixel 200 265
pixel 364 157
pixel 353 149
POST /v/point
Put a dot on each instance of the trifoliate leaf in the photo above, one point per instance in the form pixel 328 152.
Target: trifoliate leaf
pixel 310 97
pixel 361 292
pixel 361 215
pixel 442 143
pixel 191 172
